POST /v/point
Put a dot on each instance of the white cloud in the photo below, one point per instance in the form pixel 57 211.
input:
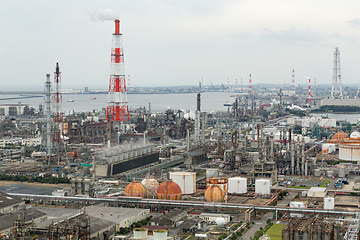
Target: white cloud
pixel 103 15
pixel 291 35
pixel 354 23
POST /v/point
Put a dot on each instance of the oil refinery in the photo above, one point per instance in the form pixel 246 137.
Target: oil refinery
pixel 174 174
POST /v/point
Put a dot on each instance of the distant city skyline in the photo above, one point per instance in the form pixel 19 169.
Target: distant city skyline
pixel 173 43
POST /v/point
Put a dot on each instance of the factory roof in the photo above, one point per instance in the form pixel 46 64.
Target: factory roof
pixel 7 200
pixel 215 214
pixel 317 189
pixel 30 214
pixel 114 214
pixel 190 224
pixel 173 216
pixel 96 224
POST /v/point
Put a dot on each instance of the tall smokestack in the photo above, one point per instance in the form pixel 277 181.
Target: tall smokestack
pixel 48 115
pixel 117 106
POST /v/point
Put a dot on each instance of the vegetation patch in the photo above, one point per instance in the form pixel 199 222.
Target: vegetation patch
pixel 333 108
pixel 38 179
pixel 274 231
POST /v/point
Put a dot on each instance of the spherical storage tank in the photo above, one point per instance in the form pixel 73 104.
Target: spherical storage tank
pixel 169 190
pixel 186 181
pixel 237 185
pixel 355 134
pixel 214 194
pixel 221 182
pixel 262 186
pixel 151 186
pixel 339 135
pixel 135 189
pixel 220 221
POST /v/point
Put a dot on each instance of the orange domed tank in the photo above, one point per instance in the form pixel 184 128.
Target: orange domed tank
pixel 169 190
pixel 339 135
pixel 135 189
pixel 214 194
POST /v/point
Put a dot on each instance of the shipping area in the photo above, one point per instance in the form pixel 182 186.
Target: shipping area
pixel 267 165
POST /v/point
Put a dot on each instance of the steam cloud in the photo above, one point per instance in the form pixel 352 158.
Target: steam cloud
pixel 103 15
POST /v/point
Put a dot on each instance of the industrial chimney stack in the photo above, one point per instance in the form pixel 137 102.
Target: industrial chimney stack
pixel 117 105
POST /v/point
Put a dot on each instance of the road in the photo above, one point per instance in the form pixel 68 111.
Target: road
pixel 262 222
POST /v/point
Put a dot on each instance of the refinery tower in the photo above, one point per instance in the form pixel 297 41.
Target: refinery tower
pixel 117 109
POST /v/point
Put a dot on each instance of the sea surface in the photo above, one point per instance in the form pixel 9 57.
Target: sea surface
pixel 159 102
pixel 210 101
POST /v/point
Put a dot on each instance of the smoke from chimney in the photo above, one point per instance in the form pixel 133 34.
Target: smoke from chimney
pixel 103 15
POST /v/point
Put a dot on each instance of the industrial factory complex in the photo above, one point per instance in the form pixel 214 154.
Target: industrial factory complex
pixel 269 166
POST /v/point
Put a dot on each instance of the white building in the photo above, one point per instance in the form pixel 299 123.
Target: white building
pixel 211 217
pixel 20 141
pixel 12 109
pixel 31 141
pixel 319 192
pixel 12 141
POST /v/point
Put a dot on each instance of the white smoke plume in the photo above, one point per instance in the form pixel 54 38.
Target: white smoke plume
pixel 103 15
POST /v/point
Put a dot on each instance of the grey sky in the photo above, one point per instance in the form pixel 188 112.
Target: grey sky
pixel 172 42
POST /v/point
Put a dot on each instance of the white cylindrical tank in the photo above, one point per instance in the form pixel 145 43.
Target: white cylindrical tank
pixel 160 234
pixel 328 148
pixel 237 185
pixel 79 186
pixel 87 186
pixel 220 221
pixel 73 186
pixel 317 172
pixel 186 181
pixel 140 233
pixel 341 171
pixel 262 186
pixel 329 173
pixel 329 203
pixel 212 172
pixel 349 152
